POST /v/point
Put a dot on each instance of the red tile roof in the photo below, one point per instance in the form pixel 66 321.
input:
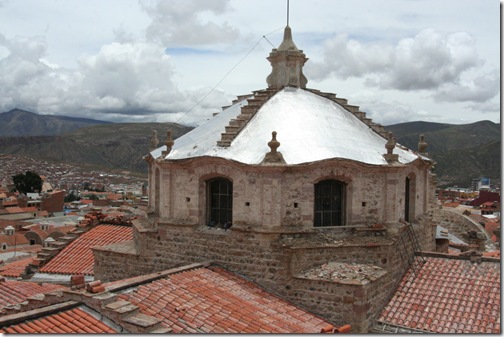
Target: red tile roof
pixel 29 209
pixel 13 240
pixel 447 296
pixel 494 253
pixel 77 257
pixel 114 196
pixel 490 224
pixel 213 300
pixel 16 292
pixel 74 320
pixel 12 210
pixel 16 268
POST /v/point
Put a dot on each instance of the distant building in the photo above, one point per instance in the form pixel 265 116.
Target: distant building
pixel 485 196
pixel 53 202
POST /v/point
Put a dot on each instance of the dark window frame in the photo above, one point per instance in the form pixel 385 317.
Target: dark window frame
pixel 219 202
pixel 329 203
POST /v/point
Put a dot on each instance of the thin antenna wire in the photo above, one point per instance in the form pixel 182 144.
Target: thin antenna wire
pixel 226 75
pixel 264 37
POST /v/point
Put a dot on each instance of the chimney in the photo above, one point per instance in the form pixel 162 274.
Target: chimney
pixel 9 230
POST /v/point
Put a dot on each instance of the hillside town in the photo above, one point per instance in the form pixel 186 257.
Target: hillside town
pixel 241 227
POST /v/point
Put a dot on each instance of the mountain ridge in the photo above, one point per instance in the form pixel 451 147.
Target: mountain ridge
pixel 461 152
pixel 19 122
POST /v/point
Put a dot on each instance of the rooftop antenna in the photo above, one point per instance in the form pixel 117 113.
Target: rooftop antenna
pixel 287 12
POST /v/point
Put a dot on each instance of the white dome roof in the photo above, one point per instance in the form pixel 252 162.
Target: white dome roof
pixel 309 128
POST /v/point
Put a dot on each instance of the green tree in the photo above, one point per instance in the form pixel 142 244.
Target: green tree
pixel 93 197
pixel 71 197
pixel 28 183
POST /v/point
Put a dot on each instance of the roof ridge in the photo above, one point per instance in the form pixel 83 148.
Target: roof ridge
pixel 115 286
pixel 354 109
pixel 247 112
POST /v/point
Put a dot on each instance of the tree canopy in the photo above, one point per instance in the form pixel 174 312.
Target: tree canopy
pixel 28 183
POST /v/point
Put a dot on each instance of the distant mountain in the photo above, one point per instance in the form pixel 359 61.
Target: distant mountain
pixel 117 146
pixel 462 152
pixel 19 122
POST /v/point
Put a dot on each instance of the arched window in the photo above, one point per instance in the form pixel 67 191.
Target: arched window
pixel 220 202
pixel 409 198
pixel 157 188
pixel 329 203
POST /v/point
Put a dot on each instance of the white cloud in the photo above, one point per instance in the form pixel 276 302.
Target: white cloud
pixel 108 60
pixel 429 60
pixel 130 79
pixel 425 61
pixel 182 23
pixel 126 70
pixel 486 108
pixel 387 112
pixel 480 89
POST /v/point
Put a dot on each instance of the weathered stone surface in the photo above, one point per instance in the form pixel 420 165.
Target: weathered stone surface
pixel 143 320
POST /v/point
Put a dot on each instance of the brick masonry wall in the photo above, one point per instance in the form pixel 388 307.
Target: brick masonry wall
pixel 53 202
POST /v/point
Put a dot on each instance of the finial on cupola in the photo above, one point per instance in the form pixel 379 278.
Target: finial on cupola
pixel 169 143
pixel 390 146
pixel 422 145
pixel 273 157
pixel 287 63
pixel 154 141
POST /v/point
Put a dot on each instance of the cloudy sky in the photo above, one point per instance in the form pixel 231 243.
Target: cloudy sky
pixel 181 60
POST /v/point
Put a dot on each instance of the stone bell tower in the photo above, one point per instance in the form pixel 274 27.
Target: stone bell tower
pixel 287 64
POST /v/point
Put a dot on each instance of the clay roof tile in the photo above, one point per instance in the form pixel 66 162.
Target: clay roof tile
pixel 452 299
pixel 214 300
pixel 77 256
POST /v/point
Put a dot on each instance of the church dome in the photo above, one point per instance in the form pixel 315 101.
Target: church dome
pixel 310 126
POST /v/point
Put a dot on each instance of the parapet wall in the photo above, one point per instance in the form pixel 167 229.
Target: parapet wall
pixel 459 225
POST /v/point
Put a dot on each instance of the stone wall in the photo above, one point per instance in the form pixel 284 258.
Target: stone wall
pixel 271 259
pixel 357 305
pixel 283 196
pixel 272 239
pixel 458 224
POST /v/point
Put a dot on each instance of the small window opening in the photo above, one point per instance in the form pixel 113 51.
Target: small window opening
pixel 187 199
pixel 247 203
pixel 296 205
pixel 363 204
pixel 329 203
